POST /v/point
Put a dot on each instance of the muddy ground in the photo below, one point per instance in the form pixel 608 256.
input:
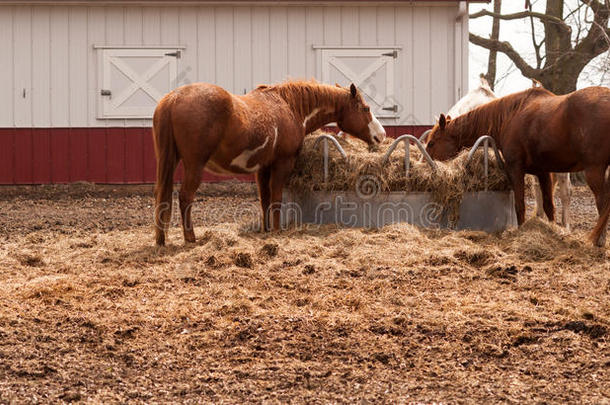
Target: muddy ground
pixel 91 311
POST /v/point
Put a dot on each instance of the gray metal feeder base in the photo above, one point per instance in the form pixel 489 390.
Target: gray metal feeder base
pixel 489 211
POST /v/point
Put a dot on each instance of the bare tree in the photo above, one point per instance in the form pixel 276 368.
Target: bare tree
pixel 493 53
pixel 571 39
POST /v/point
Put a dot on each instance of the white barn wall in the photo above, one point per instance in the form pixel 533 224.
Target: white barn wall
pixel 48 51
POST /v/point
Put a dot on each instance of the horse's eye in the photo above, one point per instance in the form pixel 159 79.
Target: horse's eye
pixel 366 109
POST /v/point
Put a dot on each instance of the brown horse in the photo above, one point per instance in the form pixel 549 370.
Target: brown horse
pixel 539 132
pixel 261 132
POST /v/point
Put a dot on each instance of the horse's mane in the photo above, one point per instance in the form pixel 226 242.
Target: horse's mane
pixel 490 118
pixel 306 95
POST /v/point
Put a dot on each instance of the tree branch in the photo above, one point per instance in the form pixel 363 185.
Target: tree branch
pixel 507 49
pixel 523 14
pixel 599 31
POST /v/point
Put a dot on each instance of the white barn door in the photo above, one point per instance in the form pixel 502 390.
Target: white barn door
pixel 132 81
pixel 370 69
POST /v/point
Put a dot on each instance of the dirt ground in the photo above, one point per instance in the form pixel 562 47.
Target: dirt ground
pixel 91 311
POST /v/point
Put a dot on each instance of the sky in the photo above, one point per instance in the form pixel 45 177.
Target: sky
pixel 518 33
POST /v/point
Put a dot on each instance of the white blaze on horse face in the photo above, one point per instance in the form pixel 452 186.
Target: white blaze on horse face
pixel 310 116
pixel 376 130
pixel 241 161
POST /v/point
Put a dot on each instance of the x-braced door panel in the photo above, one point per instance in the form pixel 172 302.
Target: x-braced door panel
pixel 370 69
pixel 132 81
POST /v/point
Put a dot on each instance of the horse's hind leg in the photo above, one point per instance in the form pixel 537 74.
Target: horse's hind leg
pixel 546 187
pixel 192 179
pixel 563 180
pixel 280 174
pixel 264 192
pixel 538 195
pixel 517 180
pixel 596 179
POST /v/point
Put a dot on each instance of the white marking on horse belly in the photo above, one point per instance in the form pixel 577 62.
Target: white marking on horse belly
pixel 242 159
pixel 275 138
pixel 310 116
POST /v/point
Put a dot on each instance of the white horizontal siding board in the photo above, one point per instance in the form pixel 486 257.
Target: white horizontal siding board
pixel 440 61
pixel 332 26
pixel 78 66
pixel 7 84
pixel 386 38
pixel 367 25
pixel 278 44
pixel 421 66
pixel 187 64
pixel 41 56
pixel 224 48
pixel 60 72
pixel 151 26
pixel 96 34
pixel 404 73
pixel 464 57
pixel 206 45
pixel 115 26
pixel 242 47
pixel 349 25
pixel 133 36
pixel 385 26
pixel 260 62
pixel 314 31
pixel 297 41
pixel 170 26
pixel 133 26
pixel 22 96
pixel 115 35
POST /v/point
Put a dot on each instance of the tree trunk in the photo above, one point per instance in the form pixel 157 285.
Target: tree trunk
pixel 493 53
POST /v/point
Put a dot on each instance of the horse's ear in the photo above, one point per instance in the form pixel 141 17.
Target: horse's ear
pixel 448 118
pixel 353 90
pixel 442 121
pixel 338 85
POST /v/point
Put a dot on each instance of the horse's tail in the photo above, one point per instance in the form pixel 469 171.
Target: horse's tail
pixel 167 157
pixel 604 214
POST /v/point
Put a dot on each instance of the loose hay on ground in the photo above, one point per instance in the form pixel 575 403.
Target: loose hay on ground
pixel 321 315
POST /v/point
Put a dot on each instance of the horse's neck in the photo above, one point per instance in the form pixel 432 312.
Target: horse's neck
pixel 316 105
pixel 318 118
pixel 471 126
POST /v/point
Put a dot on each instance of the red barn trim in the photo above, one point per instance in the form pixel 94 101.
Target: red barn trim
pixel 97 155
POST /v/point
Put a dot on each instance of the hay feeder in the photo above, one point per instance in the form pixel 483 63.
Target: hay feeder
pixel 369 206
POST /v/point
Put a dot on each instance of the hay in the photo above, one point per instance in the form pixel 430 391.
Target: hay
pixel 364 168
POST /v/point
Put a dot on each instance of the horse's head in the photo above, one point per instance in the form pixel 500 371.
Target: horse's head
pixel 442 145
pixel 355 118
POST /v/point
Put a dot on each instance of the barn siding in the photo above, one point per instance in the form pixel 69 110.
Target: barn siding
pixel 99 155
pixel 49 52
pixel 53 135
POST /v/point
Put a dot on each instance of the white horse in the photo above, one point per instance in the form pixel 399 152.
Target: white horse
pixel 483 94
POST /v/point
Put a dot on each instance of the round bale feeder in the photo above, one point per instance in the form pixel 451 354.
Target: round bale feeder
pixel 369 205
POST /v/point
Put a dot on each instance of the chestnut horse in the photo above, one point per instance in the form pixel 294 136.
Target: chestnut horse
pixel 538 133
pixel 261 132
pixel 484 94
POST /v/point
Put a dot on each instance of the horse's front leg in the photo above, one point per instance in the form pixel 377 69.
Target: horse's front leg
pixel 264 193
pixel 516 175
pixel 546 187
pixel 596 179
pixel 565 193
pixel 280 174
